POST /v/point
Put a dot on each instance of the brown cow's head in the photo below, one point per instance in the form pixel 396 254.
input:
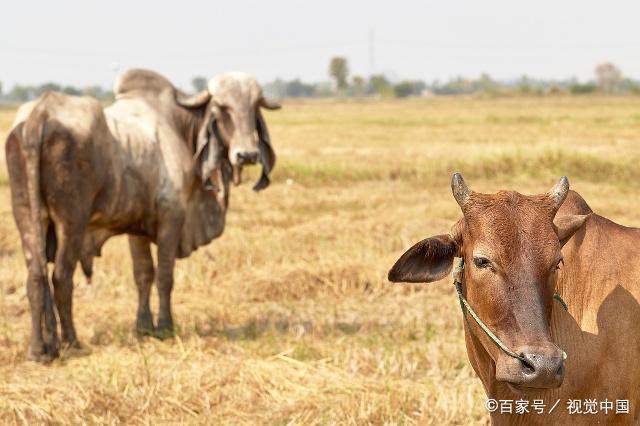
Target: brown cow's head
pixel 511 249
pixel 233 126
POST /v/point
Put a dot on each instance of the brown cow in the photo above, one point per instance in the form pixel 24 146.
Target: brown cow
pixel 155 165
pixel 518 251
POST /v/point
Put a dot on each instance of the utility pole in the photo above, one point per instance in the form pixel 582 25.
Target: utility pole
pixel 372 61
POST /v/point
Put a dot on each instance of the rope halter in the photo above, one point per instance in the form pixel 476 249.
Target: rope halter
pixel 458 276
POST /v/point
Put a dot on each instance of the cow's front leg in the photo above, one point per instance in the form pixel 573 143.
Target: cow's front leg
pixel 143 274
pixel 168 240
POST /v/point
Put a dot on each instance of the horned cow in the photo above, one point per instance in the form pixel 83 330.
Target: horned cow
pixel 522 257
pixel 155 165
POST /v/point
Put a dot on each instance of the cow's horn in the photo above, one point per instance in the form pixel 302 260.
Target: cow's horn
pixel 269 103
pixel 460 189
pixel 559 192
pixel 193 101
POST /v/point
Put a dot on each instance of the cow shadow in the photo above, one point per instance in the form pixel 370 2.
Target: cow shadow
pixel 603 363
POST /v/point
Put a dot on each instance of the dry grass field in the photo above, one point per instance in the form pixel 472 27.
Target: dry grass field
pixel 288 318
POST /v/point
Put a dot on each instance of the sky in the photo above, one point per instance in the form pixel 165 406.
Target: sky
pixel 85 42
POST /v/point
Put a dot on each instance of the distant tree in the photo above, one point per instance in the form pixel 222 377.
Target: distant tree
pixel 455 86
pixel 577 88
pixel 359 85
pixel 275 89
pixel 555 89
pixel 339 72
pixel 199 83
pixel 524 85
pixel 47 87
pixel 94 91
pixel 98 93
pixel 409 88
pixel 21 93
pixel 608 77
pixel 486 84
pixel 298 89
pixel 630 86
pixel 70 90
pixel 323 89
pixel 378 84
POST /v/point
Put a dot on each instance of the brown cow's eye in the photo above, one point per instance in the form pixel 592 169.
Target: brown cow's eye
pixel 481 262
pixel 560 263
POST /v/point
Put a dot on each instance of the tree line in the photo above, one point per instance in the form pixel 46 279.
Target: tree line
pixel 23 93
pixel 608 79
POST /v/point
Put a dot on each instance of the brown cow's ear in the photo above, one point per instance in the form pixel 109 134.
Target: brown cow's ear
pixel 567 225
pixel 208 148
pixel 427 261
pixel 267 155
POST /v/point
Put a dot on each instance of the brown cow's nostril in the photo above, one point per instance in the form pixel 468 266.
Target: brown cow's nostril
pixel 539 370
pixel 527 366
pixel 247 157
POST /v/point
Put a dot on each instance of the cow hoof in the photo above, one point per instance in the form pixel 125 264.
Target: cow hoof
pixel 72 344
pixel 145 330
pixel 74 349
pixel 144 326
pixel 164 330
pixel 44 355
pixel 40 358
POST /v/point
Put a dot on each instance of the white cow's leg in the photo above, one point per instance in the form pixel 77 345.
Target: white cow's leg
pixel 169 232
pixel 143 274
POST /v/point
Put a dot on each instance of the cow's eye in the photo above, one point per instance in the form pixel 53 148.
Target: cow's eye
pixel 559 264
pixel 481 262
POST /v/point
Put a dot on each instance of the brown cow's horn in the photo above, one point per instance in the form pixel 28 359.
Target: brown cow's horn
pixel 460 190
pixel 193 101
pixel 559 192
pixel 269 104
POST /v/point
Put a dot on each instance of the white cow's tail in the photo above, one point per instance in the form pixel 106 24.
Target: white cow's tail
pixel 33 136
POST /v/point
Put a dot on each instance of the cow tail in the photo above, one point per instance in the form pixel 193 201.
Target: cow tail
pixel 33 140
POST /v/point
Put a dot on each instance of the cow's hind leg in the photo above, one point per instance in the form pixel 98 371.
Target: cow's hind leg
pixel 43 344
pixel 143 274
pixel 69 240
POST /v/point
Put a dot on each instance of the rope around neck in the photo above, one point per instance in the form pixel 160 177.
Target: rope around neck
pixel 458 275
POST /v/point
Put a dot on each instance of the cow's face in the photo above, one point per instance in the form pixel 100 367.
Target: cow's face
pixel 236 99
pixel 511 251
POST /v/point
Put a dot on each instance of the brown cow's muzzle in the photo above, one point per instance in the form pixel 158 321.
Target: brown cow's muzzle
pixel 240 158
pixel 541 368
pixel 247 157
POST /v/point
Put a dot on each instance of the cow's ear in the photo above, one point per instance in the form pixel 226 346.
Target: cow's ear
pixel 427 261
pixel 209 150
pixel 568 225
pixel 267 154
